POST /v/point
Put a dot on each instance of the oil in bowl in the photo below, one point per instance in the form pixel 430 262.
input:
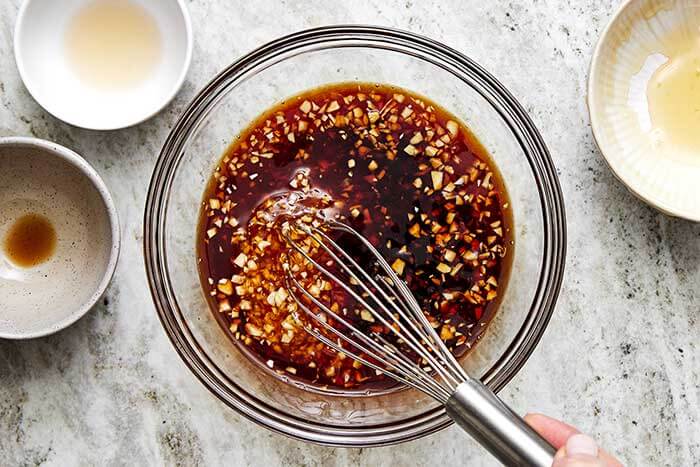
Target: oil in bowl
pixel 113 44
pixel 673 95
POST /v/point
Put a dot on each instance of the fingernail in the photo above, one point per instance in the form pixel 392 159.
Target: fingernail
pixel 581 445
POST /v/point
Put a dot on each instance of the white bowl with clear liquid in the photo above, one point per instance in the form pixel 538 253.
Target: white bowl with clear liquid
pixel 657 159
pixel 103 64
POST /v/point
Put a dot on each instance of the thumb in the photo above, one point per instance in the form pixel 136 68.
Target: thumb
pixel 580 451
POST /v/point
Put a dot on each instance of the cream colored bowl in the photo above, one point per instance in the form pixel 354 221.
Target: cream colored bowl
pixel 42 178
pixel 632 47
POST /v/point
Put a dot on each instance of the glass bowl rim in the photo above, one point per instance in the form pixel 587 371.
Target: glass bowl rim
pixel 355 36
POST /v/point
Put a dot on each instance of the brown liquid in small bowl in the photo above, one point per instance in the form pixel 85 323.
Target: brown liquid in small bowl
pixel 30 241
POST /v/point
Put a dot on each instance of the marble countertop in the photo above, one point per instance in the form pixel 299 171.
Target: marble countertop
pixel 620 359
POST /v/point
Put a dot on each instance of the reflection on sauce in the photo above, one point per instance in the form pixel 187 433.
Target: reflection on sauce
pixel 30 241
pixel 113 44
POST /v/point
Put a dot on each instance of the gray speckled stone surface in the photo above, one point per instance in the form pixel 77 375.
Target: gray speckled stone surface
pixel 620 358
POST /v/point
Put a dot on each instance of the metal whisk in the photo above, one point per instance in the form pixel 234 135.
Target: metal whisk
pixel 467 401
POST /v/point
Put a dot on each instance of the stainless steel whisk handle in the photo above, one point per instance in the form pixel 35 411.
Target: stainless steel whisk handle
pixel 495 426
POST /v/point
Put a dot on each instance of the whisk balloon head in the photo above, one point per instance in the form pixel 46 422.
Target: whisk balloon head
pixel 393 335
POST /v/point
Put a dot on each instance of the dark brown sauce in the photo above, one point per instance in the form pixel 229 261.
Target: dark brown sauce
pixel 30 241
pixel 368 161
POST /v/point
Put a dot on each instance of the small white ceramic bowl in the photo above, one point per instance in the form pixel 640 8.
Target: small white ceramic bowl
pixel 40 177
pixel 623 62
pixel 51 78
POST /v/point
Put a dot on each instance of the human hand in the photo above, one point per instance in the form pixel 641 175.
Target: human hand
pixel 574 449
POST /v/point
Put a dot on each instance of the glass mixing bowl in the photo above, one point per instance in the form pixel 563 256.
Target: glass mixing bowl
pixel 284 68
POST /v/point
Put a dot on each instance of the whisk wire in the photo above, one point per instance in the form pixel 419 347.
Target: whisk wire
pixel 432 340
pixel 416 343
pixel 422 382
pixel 403 332
pixel 407 299
pixel 356 332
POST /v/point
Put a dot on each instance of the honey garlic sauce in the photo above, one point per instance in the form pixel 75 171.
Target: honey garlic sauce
pixel 397 168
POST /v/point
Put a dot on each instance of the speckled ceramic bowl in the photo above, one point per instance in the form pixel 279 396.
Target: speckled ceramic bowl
pixel 42 178
pixel 285 68
pixel 639 39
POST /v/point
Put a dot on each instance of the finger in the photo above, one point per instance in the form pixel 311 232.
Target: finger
pixel 557 433
pixel 561 453
pixel 554 431
pixel 583 445
pixel 580 451
pixel 579 461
